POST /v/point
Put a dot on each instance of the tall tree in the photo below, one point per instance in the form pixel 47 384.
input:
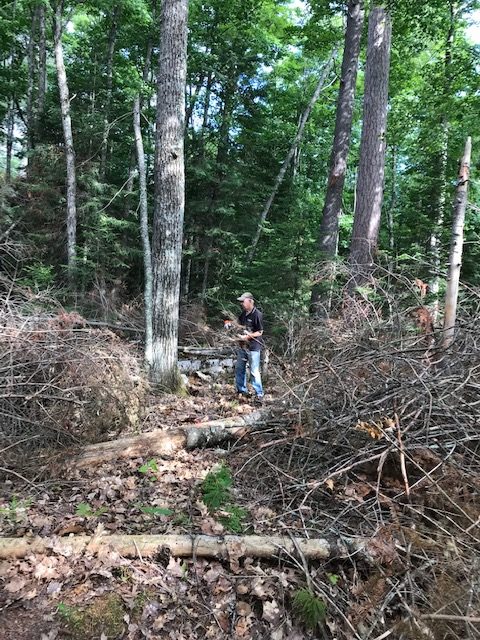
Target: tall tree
pixel 143 205
pixel 10 106
pixel 328 233
pixel 291 152
pixel 169 199
pixel 442 158
pixel 31 64
pixel 112 38
pixel 371 169
pixel 456 247
pixel 68 138
pixel 42 68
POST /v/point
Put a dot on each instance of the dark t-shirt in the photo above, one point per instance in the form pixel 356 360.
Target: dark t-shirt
pixel 253 322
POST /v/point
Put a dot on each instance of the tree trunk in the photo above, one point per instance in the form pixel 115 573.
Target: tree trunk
pixel 371 169
pixel 11 110
pixel 169 191
pixel 9 140
pixel 442 168
pixel 228 106
pixel 391 208
pixel 144 231
pixel 166 441
pixel 31 62
pixel 112 36
pixel 206 109
pixel 42 68
pixel 456 248
pixel 188 546
pixel 68 138
pixel 328 234
pixel 291 152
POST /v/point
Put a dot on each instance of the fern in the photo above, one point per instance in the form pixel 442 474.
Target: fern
pixel 216 488
pixel 233 520
pixel 216 496
pixel 310 609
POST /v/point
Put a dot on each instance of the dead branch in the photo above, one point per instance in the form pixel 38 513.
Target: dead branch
pixel 186 546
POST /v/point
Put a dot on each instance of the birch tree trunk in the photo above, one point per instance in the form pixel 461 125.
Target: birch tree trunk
pixel 169 201
pixel 371 169
pixel 68 138
pixel 456 247
pixel 291 152
pixel 328 233
pixel 442 168
pixel 112 36
pixel 143 202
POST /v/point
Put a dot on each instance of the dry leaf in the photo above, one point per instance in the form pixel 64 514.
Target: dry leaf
pixel 175 567
pixel 15 585
pixel 242 588
pixel 212 574
pixel 54 587
pixel 242 627
pixel 243 608
pixel 271 611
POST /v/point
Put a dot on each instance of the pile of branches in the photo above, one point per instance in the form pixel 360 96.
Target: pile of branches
pixel 60 381
pixel 384 442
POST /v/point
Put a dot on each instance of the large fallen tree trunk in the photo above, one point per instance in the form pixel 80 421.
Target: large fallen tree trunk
pixel 164 442
pixel 188 546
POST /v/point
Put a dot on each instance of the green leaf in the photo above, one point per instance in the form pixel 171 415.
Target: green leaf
pixel 333 577
pixel 83 510
pixel 151 465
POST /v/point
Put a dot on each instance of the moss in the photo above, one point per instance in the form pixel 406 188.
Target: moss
pixel 103 616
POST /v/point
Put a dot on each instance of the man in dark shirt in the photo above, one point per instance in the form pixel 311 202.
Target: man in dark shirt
pixel 252 344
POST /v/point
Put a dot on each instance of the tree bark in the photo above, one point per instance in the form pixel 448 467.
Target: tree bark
pixel 442 166
pixel 11 110
pixel 30 111
pixel 328 234
pixel 291 152
pixel 165 442
pixel 42 69
pixel 9 140
pixel 144 231
pixel 371 169
pixel 112 36
pixel 456 248
pixel 68 138
pixel 169 192
pixel 187 546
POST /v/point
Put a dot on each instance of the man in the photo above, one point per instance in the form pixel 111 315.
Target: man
pixel 251 347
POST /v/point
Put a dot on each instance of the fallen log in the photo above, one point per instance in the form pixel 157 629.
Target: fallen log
pixel 214 352
pixel 165 442
pixel 185 546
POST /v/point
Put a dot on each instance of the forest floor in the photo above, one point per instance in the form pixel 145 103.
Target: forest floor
pixel 81 596
pixel 370 443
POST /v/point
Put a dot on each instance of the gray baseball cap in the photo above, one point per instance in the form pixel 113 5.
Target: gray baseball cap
pixel 245 296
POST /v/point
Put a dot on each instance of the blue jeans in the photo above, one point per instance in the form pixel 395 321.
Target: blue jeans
pixel 253 359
